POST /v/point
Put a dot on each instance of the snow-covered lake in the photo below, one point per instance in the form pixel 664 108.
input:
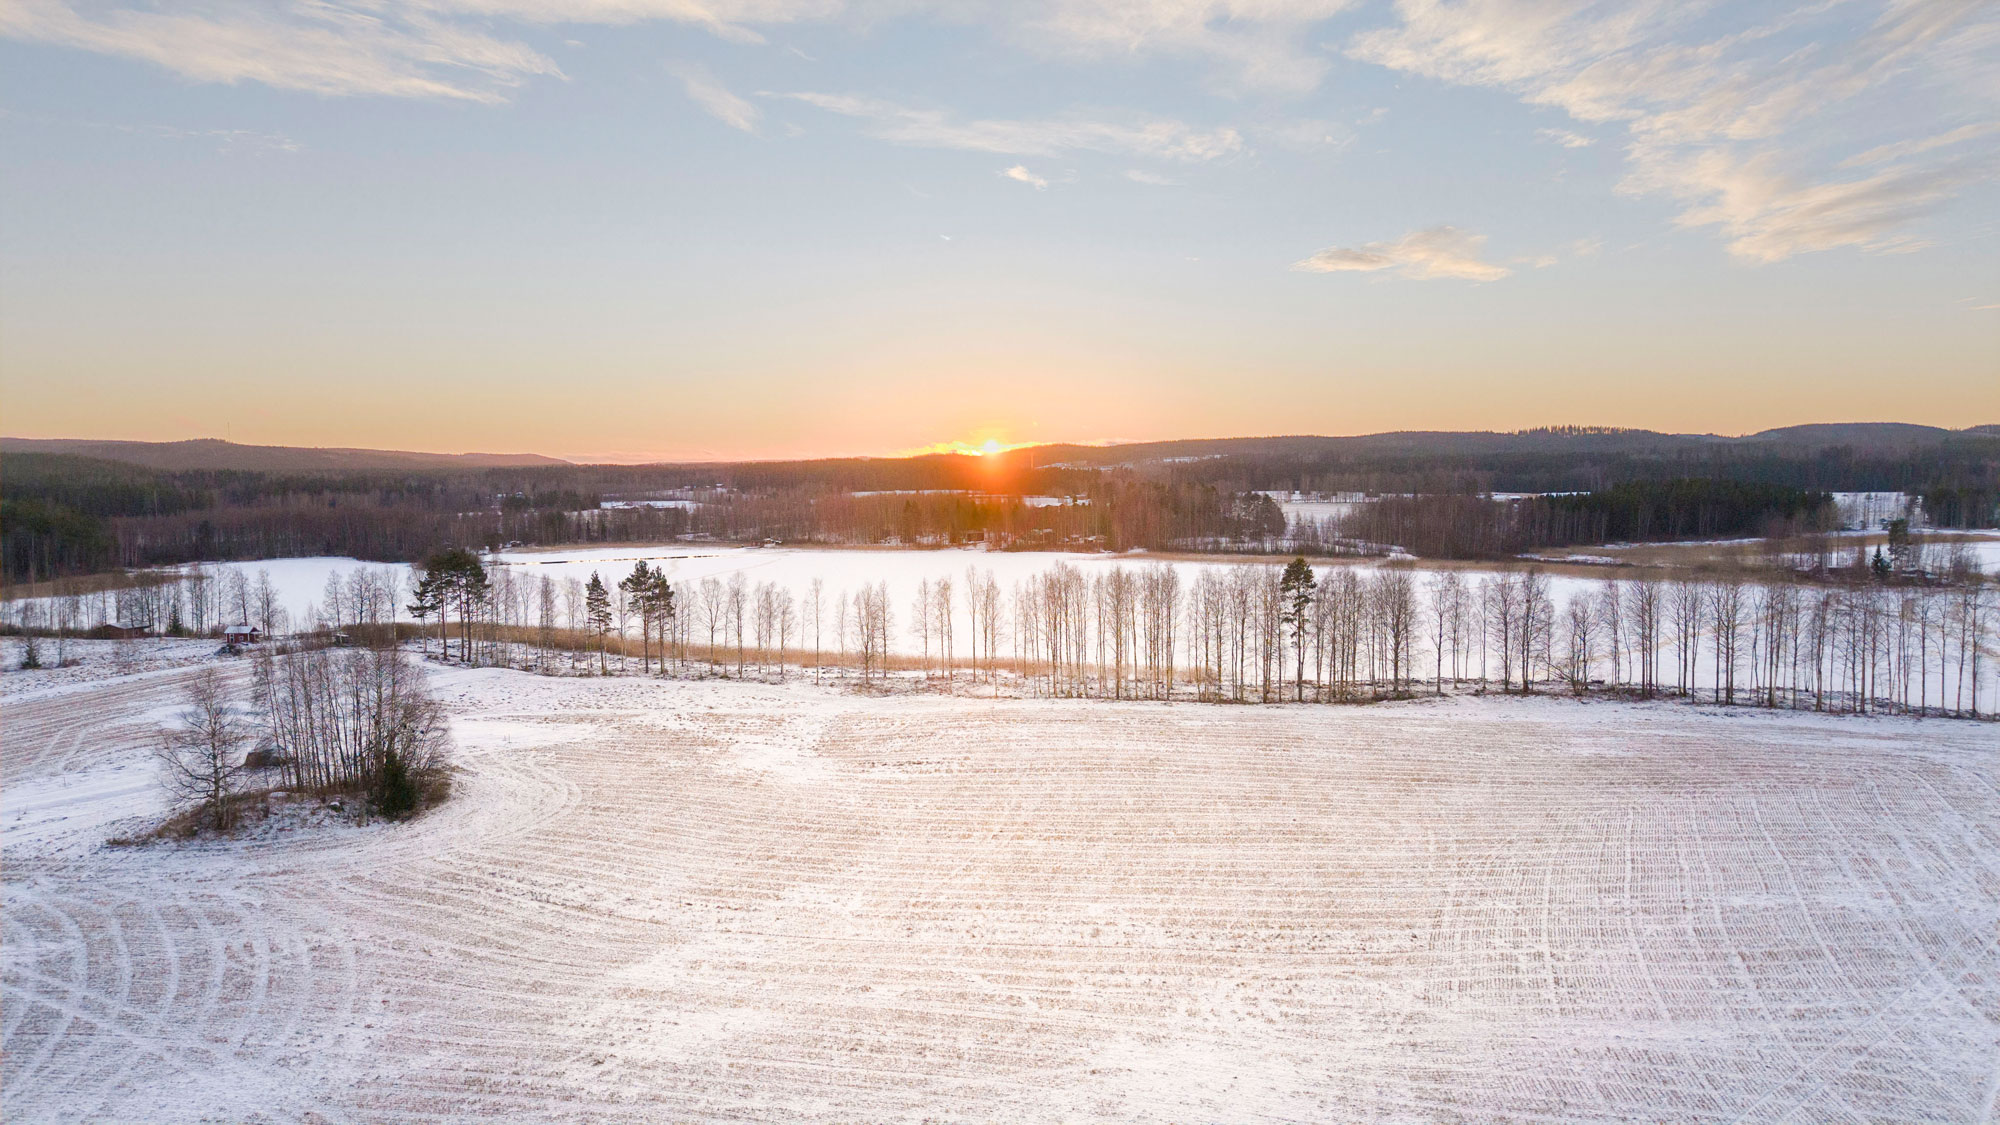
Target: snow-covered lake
pixel 301 582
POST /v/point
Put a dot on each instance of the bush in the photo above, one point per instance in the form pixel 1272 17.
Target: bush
pixel 396 796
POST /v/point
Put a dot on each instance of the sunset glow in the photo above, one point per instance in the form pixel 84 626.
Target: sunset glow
pixel 972 447
pixel 833 230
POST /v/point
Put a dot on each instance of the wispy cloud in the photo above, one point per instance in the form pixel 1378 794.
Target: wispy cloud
pixel 1306 134
pixel 1260 45
pixel 1154 179
pixel 449 48
pixel 224 140
pixel 229 139
pixel 1020 174
pixel 1769 214
pixel 319 47
pixel 1152 137
pixel 1902 150
pixel 1441 252
pixel 1741 125
pixel 1564 138
pixel 712 96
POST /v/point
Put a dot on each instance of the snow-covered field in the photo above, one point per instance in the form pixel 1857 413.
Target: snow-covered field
pixel 701 901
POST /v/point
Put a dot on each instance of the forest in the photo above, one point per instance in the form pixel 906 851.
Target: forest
pixel 65 514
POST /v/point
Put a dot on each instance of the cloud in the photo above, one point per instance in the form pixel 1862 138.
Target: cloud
pixel 1307 135
pixel 1020 174
pixel 1154 179
pixel 1746 125
pixel 450 49
pixel 1769 215
pixel 716 99
pixel 1564 138
pixel 224 140
pixel 1157 138
pixel 1581 248
pixel 230 140
pixel 323 48
pixel 1261 45
pixel 1441 252
pixel 1902 150
pixel 730 20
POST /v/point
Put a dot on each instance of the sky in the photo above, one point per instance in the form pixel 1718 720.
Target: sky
pixel 639 229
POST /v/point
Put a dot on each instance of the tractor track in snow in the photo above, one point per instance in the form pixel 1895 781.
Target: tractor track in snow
pixel 722 901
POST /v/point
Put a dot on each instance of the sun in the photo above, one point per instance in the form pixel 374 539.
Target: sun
pixel 973 447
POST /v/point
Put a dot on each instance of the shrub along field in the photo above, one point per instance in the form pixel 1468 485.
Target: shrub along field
pixel 716 900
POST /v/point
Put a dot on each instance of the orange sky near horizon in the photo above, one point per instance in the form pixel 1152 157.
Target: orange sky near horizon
pixel 875 229
pixel 889 401
pixel 971 441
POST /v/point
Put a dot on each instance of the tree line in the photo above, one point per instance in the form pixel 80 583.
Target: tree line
pixel 1474 527
pixel 1265 633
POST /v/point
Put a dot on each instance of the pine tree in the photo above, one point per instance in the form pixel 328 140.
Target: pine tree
pixel 452 577
pixel 1297 587
pixel 424 601
pixel 638 587
pixel 473 588
pixel 660 599
pixel 597 611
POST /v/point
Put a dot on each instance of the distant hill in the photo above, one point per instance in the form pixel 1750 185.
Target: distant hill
pixel 1862 435
pixel 1879 436
pixel 209 453
pixel 1402 445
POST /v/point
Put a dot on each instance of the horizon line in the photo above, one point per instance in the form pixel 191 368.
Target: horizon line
pixel 957 447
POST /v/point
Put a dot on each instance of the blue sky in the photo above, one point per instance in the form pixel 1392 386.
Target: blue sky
pixel 643 228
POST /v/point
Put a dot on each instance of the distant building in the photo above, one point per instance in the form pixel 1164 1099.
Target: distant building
pixel 242 634
pixel 124 632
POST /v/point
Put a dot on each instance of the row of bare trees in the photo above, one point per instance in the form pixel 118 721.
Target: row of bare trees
pixel 192 601
pixel 1263 632
pixel 1251 632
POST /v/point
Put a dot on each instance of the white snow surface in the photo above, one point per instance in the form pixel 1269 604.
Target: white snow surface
pixel 300 582
pixel 689 901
